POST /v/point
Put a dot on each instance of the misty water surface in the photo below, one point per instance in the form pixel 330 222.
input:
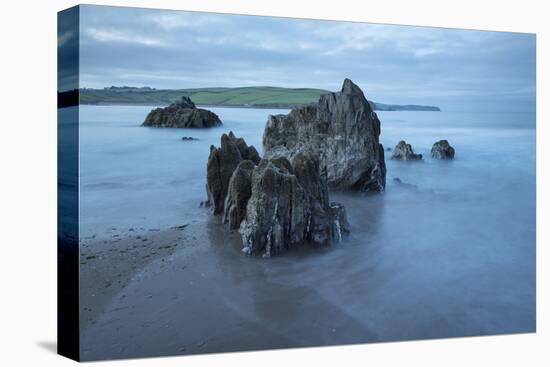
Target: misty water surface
pixel 451 254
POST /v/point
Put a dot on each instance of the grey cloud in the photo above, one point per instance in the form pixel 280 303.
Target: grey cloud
pixel 395 64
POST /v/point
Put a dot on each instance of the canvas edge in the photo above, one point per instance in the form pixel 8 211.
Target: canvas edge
pixel 68 280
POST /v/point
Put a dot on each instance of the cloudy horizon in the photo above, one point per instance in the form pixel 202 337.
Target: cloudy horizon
pixel 168 49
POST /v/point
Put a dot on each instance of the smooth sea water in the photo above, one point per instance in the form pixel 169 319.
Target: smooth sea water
pixel 133 176
pixel 451 254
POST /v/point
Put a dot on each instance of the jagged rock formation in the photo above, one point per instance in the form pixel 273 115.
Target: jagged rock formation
pixel 220 166
pixel 342 129
pixel 182 114
pixel 238 193
pixel 404 152
pixel 443 150
pixel 282 200
pixel 289 205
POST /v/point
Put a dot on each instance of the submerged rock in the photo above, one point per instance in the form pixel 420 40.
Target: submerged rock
pixel 220 166
pixel 398 182
pixel 443 150
pixel 289 206
pixel 342 129
pixel 182 114
pixel 404 152
pixel 188 138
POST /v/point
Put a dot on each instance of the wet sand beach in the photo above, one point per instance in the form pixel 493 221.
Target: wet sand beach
pixel 191 290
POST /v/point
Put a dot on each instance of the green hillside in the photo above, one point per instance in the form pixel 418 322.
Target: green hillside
pixel 245 96
pixel 258 97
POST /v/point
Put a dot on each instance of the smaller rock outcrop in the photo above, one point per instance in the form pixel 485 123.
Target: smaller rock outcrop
pixel 443 150
pixel 220 166
pixel 188 138
pixel 404 152
pixel 182 114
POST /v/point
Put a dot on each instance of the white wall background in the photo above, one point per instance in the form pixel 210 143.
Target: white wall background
pixel 28 181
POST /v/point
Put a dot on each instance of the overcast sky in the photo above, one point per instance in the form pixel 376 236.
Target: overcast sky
pixel 454 69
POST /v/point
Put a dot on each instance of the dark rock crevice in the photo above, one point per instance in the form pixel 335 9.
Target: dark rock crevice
pixel 221 165
pixel 239 191
pixel 289 206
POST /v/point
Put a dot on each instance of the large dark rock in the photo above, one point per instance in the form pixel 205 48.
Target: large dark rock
pixel 342 129
pixel 182 114
pixel 405 152
pixel 443 150
pixel 289 206
pixel 220 166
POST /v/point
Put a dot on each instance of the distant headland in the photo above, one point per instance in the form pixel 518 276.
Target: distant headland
pixel 251 97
